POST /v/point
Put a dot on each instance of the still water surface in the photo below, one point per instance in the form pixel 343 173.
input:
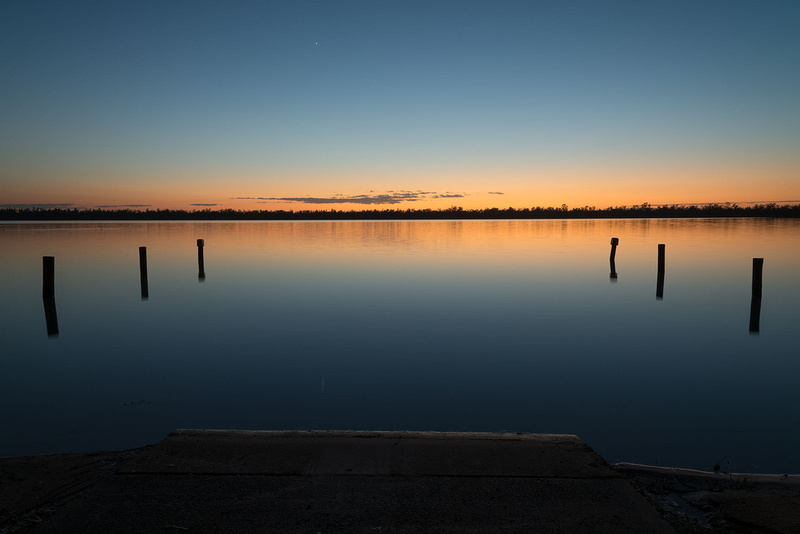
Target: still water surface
pixel 418 325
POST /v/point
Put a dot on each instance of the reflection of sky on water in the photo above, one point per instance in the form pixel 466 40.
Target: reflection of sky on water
pixel 480 325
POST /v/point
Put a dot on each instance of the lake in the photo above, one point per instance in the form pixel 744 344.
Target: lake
pixel 489 326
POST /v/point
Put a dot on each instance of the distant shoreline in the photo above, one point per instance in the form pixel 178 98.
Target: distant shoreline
pixel 643 211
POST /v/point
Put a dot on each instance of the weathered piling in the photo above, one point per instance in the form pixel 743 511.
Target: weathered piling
pixel 48 276
pixel 660 279
pixel 143 272
pixel 50 316
pixel 614 243
pixel 48 294
pixel 200 261
pixel 755 299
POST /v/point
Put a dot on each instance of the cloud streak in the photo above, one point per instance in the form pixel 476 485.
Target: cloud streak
pixel 389 197
pixel 749 202
pixel 117 206
pixel 64 205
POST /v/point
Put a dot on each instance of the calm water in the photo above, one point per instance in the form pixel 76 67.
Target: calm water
pixel 441 325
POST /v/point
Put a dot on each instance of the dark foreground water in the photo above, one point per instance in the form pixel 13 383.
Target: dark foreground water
pixel 423 325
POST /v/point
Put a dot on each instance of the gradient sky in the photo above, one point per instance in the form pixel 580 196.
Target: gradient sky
pixel 398 104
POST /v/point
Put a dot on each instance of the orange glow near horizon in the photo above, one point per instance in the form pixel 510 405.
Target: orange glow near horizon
pixel 571 185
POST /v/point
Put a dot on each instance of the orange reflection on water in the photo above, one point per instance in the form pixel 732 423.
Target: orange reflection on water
pixel 702 243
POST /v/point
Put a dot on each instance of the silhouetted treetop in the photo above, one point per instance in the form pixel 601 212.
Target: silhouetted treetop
pixel 644 210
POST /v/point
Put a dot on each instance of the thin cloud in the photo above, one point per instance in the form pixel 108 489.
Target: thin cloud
pixel 749 202
pixel 106 206
pixel 215 204
pixel 769 202
pixel 357 199
pixel 63 205
pixel 496 193
pixel 389 197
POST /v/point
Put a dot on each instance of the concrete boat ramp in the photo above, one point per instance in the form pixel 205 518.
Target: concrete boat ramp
pixel 327 481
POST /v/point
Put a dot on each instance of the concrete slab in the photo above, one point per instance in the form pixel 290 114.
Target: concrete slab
pixel 241 481
pixel 31 484
pixel 371 453
pixel 313 504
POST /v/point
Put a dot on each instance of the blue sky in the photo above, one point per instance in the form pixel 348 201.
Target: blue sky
pixel 234 104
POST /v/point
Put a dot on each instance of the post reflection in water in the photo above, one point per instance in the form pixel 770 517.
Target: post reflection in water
pixel 48 294
pixel 143 273
pixel 420 325
pixel 660 278
pixel 755 299
pixel 614 243
pixel 50 316
pixel 201 267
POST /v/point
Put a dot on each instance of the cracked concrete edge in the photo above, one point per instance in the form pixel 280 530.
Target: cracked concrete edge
pixel 389 434
pixel 787 480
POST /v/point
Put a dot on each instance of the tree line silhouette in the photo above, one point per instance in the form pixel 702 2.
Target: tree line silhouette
pixel 644 210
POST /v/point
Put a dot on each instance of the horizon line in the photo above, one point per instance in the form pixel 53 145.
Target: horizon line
pixel 206 207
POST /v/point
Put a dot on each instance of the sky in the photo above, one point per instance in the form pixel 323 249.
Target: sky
pixel 398 104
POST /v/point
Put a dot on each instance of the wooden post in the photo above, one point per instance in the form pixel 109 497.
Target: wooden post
pixel 143 272
pixel 614 243
pixel 200 262
pixel 755 299
pixel 48 294
pixel 48 276
pixel 660 279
